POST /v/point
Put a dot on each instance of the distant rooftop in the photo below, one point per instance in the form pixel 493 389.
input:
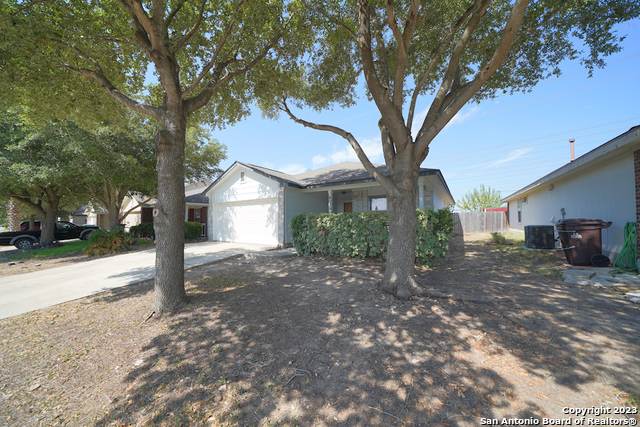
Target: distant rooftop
pixel 345 172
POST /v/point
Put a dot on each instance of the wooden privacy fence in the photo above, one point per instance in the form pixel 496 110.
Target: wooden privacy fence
pixel 480 222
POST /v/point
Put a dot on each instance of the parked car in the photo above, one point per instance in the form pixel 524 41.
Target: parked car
pixel 24 225
pixel 64 230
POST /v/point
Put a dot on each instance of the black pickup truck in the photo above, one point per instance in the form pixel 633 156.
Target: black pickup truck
pixel 24 239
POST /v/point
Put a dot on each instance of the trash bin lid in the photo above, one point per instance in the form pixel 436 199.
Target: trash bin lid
pixel 582 222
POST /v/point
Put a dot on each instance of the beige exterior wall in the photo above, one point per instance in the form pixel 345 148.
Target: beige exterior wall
pixel 603 192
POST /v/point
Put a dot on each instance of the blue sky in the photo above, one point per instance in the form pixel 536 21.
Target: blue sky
pixel 505 143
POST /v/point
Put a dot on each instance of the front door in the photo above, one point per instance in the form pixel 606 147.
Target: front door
pixel 348 207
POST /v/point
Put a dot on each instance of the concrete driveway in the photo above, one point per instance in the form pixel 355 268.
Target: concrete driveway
pixel 27 292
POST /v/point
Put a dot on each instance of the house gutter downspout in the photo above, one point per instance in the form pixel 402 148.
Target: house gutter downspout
pixel 281 215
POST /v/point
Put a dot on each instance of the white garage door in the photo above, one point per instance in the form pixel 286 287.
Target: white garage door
pixel 247 222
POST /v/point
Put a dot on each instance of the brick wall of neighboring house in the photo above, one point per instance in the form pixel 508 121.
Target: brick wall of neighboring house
pixel 636 165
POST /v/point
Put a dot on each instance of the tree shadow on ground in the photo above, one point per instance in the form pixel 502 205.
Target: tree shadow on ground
pixel 304 342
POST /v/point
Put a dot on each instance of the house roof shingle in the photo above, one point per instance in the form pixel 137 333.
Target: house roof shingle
pixel 338 174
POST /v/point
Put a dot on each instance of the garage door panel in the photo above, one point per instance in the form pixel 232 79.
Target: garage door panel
pixel 247 222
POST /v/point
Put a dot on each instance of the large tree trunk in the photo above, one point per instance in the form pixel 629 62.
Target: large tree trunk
pixel 114 213
pixel 168 215
pixel 401 250
pixel 14 216
pixel 48 224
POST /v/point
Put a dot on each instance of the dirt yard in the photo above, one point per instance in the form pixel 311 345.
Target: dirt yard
pixel 313 342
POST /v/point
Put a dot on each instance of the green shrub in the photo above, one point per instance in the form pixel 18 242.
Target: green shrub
pixel 365 234
pixel 143 230
pixel 497 237
pixel 434 230
pixel 104 242
pixel 192 230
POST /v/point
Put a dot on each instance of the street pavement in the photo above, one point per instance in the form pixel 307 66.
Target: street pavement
pixel 32 291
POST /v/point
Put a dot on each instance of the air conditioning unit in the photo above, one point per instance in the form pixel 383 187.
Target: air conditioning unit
pixel 539 237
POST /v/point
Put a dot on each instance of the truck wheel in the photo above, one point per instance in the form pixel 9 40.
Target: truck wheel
pixel 23 243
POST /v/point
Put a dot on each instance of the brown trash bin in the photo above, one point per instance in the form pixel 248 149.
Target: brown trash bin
pixel 581 238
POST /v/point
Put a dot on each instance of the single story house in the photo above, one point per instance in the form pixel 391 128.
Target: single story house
pixel 253 204
pixel 602 184
pixel 196 208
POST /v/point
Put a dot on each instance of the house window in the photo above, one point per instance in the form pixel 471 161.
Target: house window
pixel 525 200
pixel 146 215
pixel 241 176
pixel 378 203
pixel 519 211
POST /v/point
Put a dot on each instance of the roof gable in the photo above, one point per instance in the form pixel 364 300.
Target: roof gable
pixel 628 140
pixel 344 173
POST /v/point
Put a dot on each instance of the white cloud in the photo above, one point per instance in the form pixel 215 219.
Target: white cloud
pixel 513 155
pixel 417 122
pixel 458 118
pixel 371 147
pixel 293 168
pixel 268 165
pixel 463 117
pixel 318 161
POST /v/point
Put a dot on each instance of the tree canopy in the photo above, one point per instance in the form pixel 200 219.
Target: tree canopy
pixel 41 167
pixel 479 199
pixel 90 60
pixel 450 53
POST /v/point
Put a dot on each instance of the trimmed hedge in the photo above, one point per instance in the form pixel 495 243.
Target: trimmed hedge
pixel 365 234
pixel 192 230
pixel 143 230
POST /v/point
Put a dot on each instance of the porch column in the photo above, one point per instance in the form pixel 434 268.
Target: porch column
pixel 420 196
pixel 330 197
pixel 281 216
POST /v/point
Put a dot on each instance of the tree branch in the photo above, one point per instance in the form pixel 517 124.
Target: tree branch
pixel 403 41
pixel 384 180
pixel 78 52
pixel 193 29
pixel 136 207
pixel 383 54
pixel 467 91
pixel 26 201
pixel 172 15
pixel 143 19
pixel 523 31
pixel 336 21
pixel 436 58
pixel 215 55
pixel 203 97
pixel 141 33
pixel 390 112
pixel 157 17
pixel 454 63
pixel 114 92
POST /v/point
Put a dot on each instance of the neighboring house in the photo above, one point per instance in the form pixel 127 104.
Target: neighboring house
pixel 196 208
pixel 602 184
pixel 95 215
pixel 79 216
pixel 252 204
